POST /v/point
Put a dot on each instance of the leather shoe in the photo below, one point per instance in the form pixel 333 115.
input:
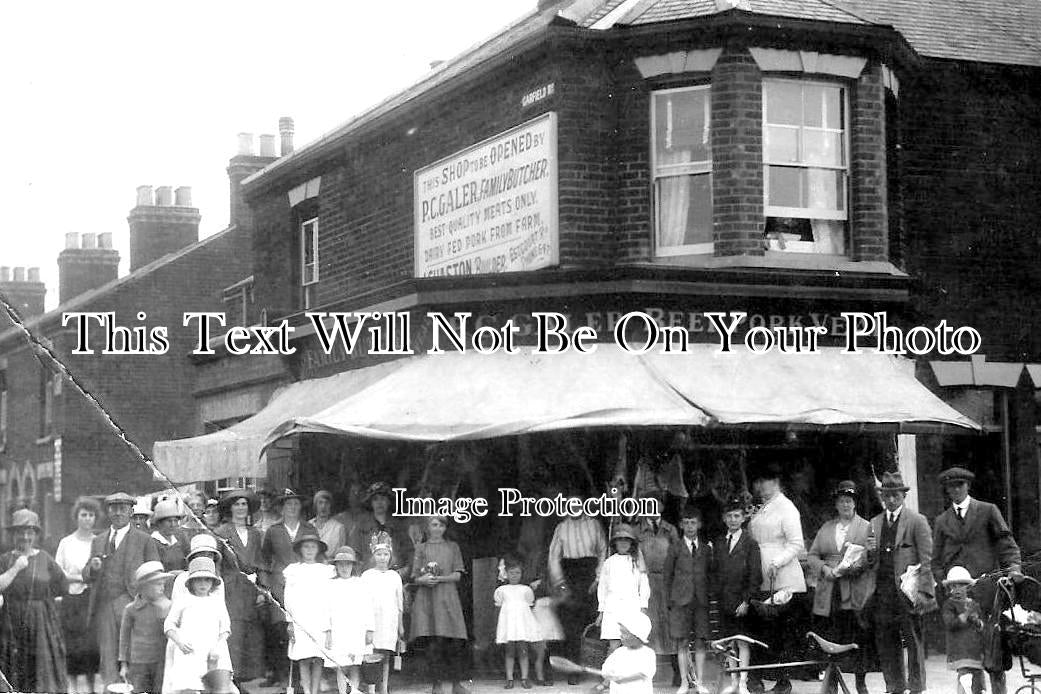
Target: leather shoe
pixel 572 679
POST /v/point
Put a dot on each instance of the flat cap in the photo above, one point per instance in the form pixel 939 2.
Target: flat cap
pixel 120 498
pixel 956 474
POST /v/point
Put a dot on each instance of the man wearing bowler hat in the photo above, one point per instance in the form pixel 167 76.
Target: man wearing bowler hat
pixel 899 538
pixel 973 534
pixel 114 557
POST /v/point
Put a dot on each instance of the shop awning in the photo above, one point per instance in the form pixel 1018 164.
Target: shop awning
pixel 236 451
pixel 465 396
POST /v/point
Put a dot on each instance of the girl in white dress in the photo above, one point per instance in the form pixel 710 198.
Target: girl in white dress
pixel 352 621
pixel 623 587
pixel 387 595
pixel 517 626
pixel 307 585
pixel 197 627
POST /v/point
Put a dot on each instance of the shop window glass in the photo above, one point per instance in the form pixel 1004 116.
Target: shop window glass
pixel 806 176
pixel 682 170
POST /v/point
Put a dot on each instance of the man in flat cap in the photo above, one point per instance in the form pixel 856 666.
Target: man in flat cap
pixel 114 557
pixel 974 534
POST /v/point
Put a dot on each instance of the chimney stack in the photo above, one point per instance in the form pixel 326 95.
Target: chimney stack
pixel 22 288
pixel 285 130
pixel 243 165
pixel 160 225
pixel 85 264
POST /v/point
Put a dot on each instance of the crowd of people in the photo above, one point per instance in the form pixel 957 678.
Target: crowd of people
pixel 258 591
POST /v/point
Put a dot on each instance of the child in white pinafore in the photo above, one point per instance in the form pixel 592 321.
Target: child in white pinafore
pixel 517 627
pixel 388 599
pixel 197 627
pixel 623 587
pixel 307 585
pixel 351 622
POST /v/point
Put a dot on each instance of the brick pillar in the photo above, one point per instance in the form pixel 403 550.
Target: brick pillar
pixel 737 153
pixel 868 216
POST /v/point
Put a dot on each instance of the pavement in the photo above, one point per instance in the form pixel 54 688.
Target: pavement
pixel 940 680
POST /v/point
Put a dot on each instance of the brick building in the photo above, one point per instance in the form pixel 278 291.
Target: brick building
pixel 55 444
pixel 792 161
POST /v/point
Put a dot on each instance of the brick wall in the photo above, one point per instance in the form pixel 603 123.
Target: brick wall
pixel 867 213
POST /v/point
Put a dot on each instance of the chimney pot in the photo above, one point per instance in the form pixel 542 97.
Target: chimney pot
pixel 5 274
pixel 90 240
pixel 145 197
pixel 164 196
pixel 285 129
pixel 19 274
pixel 72 239
pixel 267 145
pixel 105 240
pixel 34 274
pixel 183 196
pixel 246 144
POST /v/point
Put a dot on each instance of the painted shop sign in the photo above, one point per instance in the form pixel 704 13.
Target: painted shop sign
pixel 492 207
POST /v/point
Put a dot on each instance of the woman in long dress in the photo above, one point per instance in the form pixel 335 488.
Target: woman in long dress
pixel 81 649
pixel 437 614
pixel 655 537
pixel 32 647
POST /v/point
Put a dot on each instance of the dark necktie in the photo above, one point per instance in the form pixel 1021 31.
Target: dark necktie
pixel 112 542
pixel 730 542
pixel 961 514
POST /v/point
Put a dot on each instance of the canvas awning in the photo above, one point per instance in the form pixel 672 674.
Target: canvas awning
pixel 465 396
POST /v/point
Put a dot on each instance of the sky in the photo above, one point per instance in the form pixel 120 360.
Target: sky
pixel 102 97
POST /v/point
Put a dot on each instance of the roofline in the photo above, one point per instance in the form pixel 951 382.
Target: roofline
pixel 54 315
pixel 410 98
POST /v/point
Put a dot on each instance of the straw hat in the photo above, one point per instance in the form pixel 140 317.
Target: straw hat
pixel 203 567
pixel 148 572
pixel 142 507
pixel 24 518
pixel 958 575
pixel 167 508
pixel 202 542
pixel 309 537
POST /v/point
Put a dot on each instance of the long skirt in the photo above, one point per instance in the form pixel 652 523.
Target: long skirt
pixel 845 626
pixel 81 646
pixel 32 649
pixel 658 611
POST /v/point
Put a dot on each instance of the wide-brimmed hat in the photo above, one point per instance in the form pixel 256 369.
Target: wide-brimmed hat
pixel 202 542
pixel 120 498
pixel 765 471
pixel 893 482
pixel 378 489
pixel 345 553
pixel 845 488
pixel 288 494
pixel 142 507
pixel 737 502
pixel 636 623
pixel 24 518
pixel 956 475
pixel 150 571
pixel 234 495
pixel 167 508
pixel 959 575
pixel 309 537
pixel 203 567
pixel 623 531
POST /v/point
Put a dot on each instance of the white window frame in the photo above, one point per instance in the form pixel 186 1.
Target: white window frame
pixel 807 212
pixel 308 229
pixel 672 170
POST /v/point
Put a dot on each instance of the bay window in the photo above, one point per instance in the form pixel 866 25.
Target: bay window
pixel 681 162
pixel 806 166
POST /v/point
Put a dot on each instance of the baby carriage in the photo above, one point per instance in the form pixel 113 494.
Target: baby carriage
pixel 1021 631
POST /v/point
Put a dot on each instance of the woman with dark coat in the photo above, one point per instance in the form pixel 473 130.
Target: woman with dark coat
pixel 32 646
pixel 246 643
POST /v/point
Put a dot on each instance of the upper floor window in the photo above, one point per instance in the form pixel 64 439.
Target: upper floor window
pixel 806 165
pixel 681 162
pixel 309 261
pixel 50 384
pixel 3 409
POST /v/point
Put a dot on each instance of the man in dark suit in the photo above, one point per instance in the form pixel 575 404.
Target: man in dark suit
pixel 685 578
pixel 114 557
pixel 899 538
pixel 973 534
pixel 738 573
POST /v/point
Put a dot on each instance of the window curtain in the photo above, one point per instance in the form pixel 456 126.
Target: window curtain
pixel 673 201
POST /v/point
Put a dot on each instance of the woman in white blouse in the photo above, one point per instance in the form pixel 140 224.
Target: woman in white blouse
pixel 72 556
pixel 777 528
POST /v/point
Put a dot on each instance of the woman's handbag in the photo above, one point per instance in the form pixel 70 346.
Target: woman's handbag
pixel 594 649
pixel 772 604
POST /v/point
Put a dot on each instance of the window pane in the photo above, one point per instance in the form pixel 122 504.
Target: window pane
pixel 782 144
pixel 784 188
pixel 822 147
pixel 681 130
pixel 783 103
pixel 684 210
pixel 824 189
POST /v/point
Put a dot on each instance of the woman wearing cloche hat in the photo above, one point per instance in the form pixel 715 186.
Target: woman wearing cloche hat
pixel 30 580
pixel 198 627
